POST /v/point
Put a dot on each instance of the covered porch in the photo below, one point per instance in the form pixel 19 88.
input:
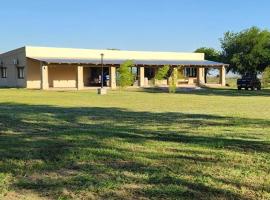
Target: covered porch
pixel 79 77
pixel 86 74
pixel 193 74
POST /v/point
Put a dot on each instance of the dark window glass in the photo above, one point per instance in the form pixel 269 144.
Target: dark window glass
pixel 20 72
pixel 190 72
pixel 3 72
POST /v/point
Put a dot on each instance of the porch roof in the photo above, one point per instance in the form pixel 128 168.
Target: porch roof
pixel 191 63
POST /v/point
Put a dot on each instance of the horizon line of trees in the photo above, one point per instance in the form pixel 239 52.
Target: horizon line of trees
pixel 247 51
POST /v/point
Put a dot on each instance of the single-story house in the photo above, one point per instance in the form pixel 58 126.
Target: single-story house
pixel 45 68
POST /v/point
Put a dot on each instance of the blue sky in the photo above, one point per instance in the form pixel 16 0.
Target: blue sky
pixel 159 25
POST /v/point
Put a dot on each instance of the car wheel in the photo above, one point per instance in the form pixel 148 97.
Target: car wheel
pixel 239 88
pixel 246 88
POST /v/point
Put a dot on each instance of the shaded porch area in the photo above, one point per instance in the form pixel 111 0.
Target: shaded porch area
pixel 186 76
pixel 63 76
pixel 92 76
pixel 82 74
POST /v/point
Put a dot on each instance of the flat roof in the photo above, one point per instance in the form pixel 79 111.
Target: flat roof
pixel 95 54
pixel 136 62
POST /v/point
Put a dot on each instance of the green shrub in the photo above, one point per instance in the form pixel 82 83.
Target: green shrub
pixel 266 77
pixel 162 72
pixel 173 81
pixel 180 73
pixel 125 74
pixel 172 88
pixel 4 183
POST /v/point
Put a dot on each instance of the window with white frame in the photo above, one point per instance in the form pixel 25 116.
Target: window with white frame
pixel 190 72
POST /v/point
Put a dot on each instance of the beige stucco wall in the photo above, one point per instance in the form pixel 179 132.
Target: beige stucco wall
pixel 12 74
pixel 45 52
pixel 62 76
pixel 33 74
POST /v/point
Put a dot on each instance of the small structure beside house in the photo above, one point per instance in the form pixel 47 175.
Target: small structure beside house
pixel 45 68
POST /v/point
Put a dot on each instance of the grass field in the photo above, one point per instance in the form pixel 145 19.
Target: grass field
pixel 231 82
pixel 207 144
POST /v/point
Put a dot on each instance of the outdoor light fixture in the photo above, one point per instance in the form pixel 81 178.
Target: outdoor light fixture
pixel 102 90
pixel 102 65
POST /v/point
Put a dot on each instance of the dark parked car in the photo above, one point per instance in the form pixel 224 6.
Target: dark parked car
pixel 249 81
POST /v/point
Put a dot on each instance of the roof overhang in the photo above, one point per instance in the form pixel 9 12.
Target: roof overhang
pixel 191 63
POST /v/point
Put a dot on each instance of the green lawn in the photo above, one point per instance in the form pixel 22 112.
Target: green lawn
pixel 207 144
pixel 231 82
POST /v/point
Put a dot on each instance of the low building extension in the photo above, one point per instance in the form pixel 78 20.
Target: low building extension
pixel 45 68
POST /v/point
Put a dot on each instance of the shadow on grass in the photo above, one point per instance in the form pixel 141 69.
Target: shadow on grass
pixel 49 149
pixel 213 91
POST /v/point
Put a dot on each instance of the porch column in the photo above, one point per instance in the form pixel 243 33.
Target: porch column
pixel 44 82
pixel 200 76
pixel 222 76
pixel 79 82
pixel 113 77
pixel 141 76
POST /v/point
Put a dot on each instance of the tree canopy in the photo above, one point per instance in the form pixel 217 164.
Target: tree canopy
pixel 246 51
pixel 210 53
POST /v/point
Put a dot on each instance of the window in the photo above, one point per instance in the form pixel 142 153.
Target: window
pixel 20 72
pixel 190 72
pixel 3 72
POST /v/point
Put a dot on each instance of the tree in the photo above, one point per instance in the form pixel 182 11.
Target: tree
pixel 173 80
pixel 125 74
pixel 247 51
pixel 266 77
pixel 210 54
pixel 168 73
pixel 162 72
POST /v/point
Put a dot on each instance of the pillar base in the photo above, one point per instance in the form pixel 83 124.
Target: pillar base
pixel 102 91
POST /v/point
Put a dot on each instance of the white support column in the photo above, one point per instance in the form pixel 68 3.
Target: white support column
pixel 79 82
pixel 113 77
pixel 44 82
pixel 203 75
pixel 222 76
pixel 200 76
pixel 141 76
